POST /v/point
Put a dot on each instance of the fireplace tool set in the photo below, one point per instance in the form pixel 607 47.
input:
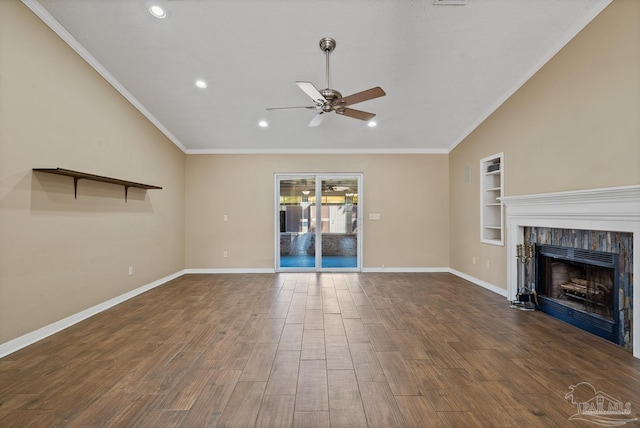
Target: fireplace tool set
pixel 526 295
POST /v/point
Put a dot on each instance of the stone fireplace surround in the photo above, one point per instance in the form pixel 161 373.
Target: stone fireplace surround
pixel 608 209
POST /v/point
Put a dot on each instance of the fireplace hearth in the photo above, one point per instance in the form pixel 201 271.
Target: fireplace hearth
pixel 579 287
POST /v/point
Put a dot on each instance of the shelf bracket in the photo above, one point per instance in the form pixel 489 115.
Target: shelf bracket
pixel 75 187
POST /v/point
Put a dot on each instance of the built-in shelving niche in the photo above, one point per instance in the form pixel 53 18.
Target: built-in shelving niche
pixel 77 175
pixel 491 192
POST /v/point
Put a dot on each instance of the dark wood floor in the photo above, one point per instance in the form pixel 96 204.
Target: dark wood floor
pixel 307 350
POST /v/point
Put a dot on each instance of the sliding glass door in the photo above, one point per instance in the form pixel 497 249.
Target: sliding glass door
pixel 339 222
pixel 295 242
pixel 318 222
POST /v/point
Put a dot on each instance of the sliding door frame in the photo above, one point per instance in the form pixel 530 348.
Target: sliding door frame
pixel 318 177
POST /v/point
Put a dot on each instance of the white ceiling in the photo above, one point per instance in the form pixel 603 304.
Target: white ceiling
pixel 444 68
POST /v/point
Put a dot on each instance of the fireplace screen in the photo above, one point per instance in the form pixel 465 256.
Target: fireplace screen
pixel 578 286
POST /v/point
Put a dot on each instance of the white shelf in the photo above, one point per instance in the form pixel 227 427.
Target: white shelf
pixel 491 208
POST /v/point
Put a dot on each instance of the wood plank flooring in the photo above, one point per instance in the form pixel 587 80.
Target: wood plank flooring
pixel 313 350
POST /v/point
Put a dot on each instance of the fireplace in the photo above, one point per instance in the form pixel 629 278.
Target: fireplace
pixel 608 220
pixel 579 287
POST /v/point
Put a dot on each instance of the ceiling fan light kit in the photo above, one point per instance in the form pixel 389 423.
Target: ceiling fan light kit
pixel 329 100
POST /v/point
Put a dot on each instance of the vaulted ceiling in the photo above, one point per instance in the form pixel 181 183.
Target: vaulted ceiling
pixel 444 68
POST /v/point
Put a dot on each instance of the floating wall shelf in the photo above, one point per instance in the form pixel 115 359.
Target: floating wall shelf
pixel 77 175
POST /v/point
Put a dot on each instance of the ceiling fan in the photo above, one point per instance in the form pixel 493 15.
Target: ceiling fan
pixel 328 100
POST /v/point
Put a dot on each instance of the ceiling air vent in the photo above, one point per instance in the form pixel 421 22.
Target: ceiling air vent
pixel 450 2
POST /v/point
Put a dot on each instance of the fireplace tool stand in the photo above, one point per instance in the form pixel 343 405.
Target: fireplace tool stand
pixel 526 295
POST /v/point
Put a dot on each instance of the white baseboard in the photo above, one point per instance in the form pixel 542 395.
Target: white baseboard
pixel 216 270
pixel 405 269
pixel 30 338
pixel 268 270
pixel 481 283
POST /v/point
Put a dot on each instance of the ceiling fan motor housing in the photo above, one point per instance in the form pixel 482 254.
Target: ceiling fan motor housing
pixel 333 97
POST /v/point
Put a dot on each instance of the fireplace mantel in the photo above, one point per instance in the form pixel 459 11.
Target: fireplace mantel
pixel 609 209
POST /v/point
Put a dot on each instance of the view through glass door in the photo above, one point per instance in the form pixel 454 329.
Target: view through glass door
pixel 318 222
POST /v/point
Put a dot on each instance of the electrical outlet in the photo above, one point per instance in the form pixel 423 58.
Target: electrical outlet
pixel 474 260
pixel 225 217
pixel 225 254
pixel 488 264
pixel 130 270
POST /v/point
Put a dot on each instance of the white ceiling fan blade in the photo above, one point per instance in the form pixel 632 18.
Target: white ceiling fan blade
pixel 317 120
pixel 311 90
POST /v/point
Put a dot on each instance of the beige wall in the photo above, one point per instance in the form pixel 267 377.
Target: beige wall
pixel 59 255
pixel 409 191
pixel 574 125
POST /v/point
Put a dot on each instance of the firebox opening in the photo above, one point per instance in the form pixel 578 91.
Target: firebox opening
pixel 579 287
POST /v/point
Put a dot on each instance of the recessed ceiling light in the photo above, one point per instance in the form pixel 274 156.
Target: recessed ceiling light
pixel 157 11
pixel 263 124
pixel 372 124
pixel 201 84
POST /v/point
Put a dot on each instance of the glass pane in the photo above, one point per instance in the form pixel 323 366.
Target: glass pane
pixel 297 203
pixel 339 223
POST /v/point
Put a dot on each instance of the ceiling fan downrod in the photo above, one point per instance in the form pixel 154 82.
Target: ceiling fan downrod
pixel 327 44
